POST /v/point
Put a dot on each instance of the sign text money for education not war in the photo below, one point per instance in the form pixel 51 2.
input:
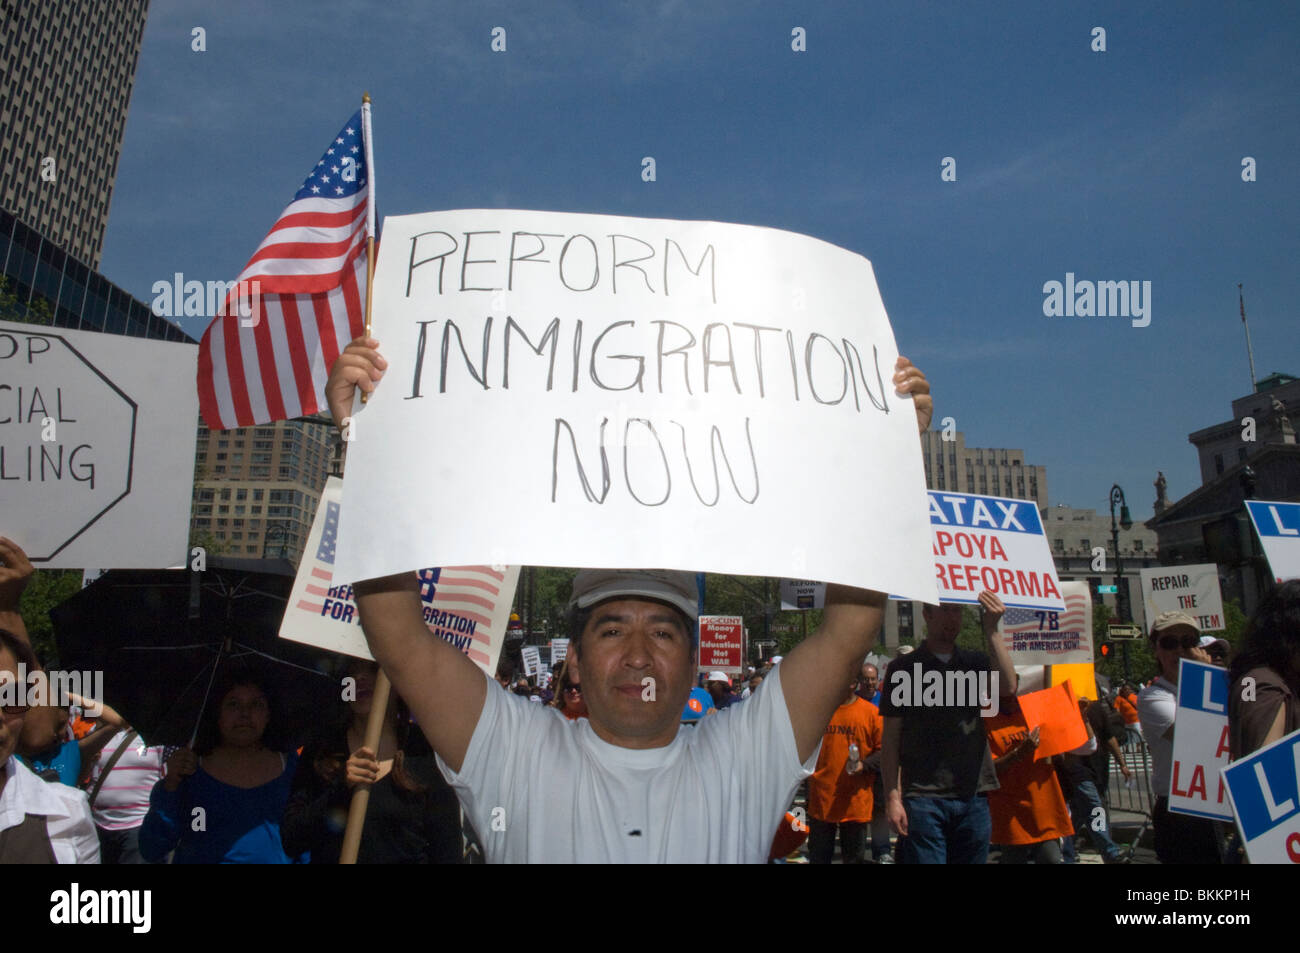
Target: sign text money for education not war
pixel 585 390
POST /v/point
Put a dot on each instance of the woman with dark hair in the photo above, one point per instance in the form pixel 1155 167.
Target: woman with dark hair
pixel 222 802
pixel 412 816
pixel 1264 701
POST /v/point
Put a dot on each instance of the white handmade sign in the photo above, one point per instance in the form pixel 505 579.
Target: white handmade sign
pixel 531 656
pixel 993 543
pixel 467 606
pixel 1278 526
pixel 1200 742
pixel 802 594
pixel 610 392
pixel 1049 636
pixel 96 446
pixel 1193 590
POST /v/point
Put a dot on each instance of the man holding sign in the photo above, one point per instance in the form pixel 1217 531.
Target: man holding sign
pixel 622 785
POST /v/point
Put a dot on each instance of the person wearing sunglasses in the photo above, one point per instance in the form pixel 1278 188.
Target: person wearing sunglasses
pixel 568 695
pixel 1180 838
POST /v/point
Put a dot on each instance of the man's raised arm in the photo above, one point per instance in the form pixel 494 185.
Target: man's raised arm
pixel 814 674
pixel 442 687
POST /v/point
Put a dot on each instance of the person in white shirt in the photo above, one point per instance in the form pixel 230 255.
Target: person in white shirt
pixel 40 821
pixel 624 784
pixel 1179 838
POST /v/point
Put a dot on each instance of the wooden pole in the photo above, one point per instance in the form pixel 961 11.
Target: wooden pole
pixel 379 699
pixel 361 796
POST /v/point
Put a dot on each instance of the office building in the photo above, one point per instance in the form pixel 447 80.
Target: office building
pixel 66 72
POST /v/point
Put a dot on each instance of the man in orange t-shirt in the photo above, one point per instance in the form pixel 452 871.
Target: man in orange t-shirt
pixel 1028 811
pixel 1126 705
pixel 839 792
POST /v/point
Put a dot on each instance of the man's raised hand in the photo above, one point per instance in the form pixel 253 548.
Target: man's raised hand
pixel 15 572
pixel 360 365
pixel 908 379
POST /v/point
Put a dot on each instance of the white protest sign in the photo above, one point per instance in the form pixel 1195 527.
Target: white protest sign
pixel 1200 742
pixel 559 650
pixel 532 659
pixel 1193 590
pixel 802 594
pixel 468 606
pixel 611 392
pixel 96 446
pixel 1264 789
pixel 1049 636
pixel 994 543
pixel 1278 526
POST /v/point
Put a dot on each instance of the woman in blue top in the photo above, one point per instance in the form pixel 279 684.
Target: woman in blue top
pixel 241 784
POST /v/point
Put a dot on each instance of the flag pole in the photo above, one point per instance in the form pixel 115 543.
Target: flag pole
pixel 379 700
pixel 1249 353
pixel 370 206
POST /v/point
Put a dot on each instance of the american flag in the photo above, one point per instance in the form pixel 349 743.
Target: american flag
pixel 1036 623
pixel 298 301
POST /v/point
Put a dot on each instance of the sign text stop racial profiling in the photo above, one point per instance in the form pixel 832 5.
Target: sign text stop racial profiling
pixel 596 350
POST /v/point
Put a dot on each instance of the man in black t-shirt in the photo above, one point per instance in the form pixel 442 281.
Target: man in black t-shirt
pixel 936 755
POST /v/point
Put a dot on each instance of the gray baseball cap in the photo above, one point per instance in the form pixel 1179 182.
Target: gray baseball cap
pixel 676 588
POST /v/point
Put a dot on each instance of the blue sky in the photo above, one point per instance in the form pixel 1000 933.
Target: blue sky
pixel 1115 165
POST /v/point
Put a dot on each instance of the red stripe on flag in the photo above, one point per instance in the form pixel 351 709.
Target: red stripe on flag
pixel 235 371
pixel 302 381
pixel 308 250
pixel 266 368
pixel 466 581
pixel 441 597
pixel 480 570
pixel 310 607
pixel 207 388
pixel 352 298
pixel 321 219
pixel 472 616
pixel 316 590
pixel 329 348
pixel 322 573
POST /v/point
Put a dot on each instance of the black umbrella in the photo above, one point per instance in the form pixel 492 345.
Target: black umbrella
pixel 161 637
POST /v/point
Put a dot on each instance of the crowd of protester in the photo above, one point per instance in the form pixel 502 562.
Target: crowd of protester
pixel 87 790
pixel 512 780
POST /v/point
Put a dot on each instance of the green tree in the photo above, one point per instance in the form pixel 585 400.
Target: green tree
pixel 210 544
pixel 47 588
pixel 12 308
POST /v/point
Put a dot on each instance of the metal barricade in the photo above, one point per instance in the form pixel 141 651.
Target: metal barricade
pixel 1139 799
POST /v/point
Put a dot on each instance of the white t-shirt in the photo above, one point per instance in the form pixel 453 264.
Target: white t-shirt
pixel 540 788
pixel 68 825
pixel 1157 705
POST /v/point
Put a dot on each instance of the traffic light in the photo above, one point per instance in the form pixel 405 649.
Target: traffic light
pixel 1105 649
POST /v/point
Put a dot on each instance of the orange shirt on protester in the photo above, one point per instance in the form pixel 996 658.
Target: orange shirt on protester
pixel 833 795
pixel 1127 710
pixel 1029 807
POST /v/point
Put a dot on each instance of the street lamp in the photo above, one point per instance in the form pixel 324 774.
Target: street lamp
pixel 274 531
pixel 1121 590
